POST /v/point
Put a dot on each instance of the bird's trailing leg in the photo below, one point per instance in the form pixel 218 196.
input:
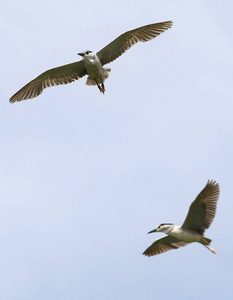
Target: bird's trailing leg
pixel 211 249
pixel 101 87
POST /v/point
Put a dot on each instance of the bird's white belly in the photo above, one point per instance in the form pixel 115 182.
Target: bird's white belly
pixel 186 235
pixel 94 69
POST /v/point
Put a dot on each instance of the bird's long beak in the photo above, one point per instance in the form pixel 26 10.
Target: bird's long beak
pixel 154 230
pixel 81 53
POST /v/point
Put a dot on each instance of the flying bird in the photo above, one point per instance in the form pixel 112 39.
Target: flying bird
pixel 200 216
pixel 91 64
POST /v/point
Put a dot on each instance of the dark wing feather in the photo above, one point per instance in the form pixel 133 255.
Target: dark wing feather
pixel 164 244
pixel 129 38
pixel 203 209
pixel 56 76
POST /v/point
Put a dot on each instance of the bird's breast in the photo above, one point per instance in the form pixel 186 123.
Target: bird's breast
pixel 94 67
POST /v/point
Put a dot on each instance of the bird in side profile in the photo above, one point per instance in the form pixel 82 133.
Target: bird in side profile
pixel 91 64
pixel 200 216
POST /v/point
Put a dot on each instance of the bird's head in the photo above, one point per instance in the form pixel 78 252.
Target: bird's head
pixel 85 53
pixel 165 227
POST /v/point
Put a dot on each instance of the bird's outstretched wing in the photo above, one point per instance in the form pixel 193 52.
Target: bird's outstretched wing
pixel 202 210
pixel 56 76
pixel 164 244
pixel 129 38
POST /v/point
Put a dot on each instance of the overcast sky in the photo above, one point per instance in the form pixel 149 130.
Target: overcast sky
pixel 85 176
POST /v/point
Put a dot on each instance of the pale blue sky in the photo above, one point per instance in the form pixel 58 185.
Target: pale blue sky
pixel 85 176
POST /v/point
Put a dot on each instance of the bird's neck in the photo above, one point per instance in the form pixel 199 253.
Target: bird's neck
pixel 169 229
pixel 175 231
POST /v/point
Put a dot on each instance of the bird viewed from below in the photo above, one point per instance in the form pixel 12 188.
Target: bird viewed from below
pixel 91 64
pixel 200 216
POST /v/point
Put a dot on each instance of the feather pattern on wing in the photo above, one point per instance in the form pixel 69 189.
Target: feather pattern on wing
pixel 164 244
pixel 126 40
pixel 56 76
pixel 203 209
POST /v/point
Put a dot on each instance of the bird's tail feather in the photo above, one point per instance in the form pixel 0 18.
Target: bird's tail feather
pixel 205 241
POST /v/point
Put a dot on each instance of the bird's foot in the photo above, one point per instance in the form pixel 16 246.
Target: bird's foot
pixel 212 250
pixel 101 88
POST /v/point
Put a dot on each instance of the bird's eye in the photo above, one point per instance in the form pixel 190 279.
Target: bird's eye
pixel 159 226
